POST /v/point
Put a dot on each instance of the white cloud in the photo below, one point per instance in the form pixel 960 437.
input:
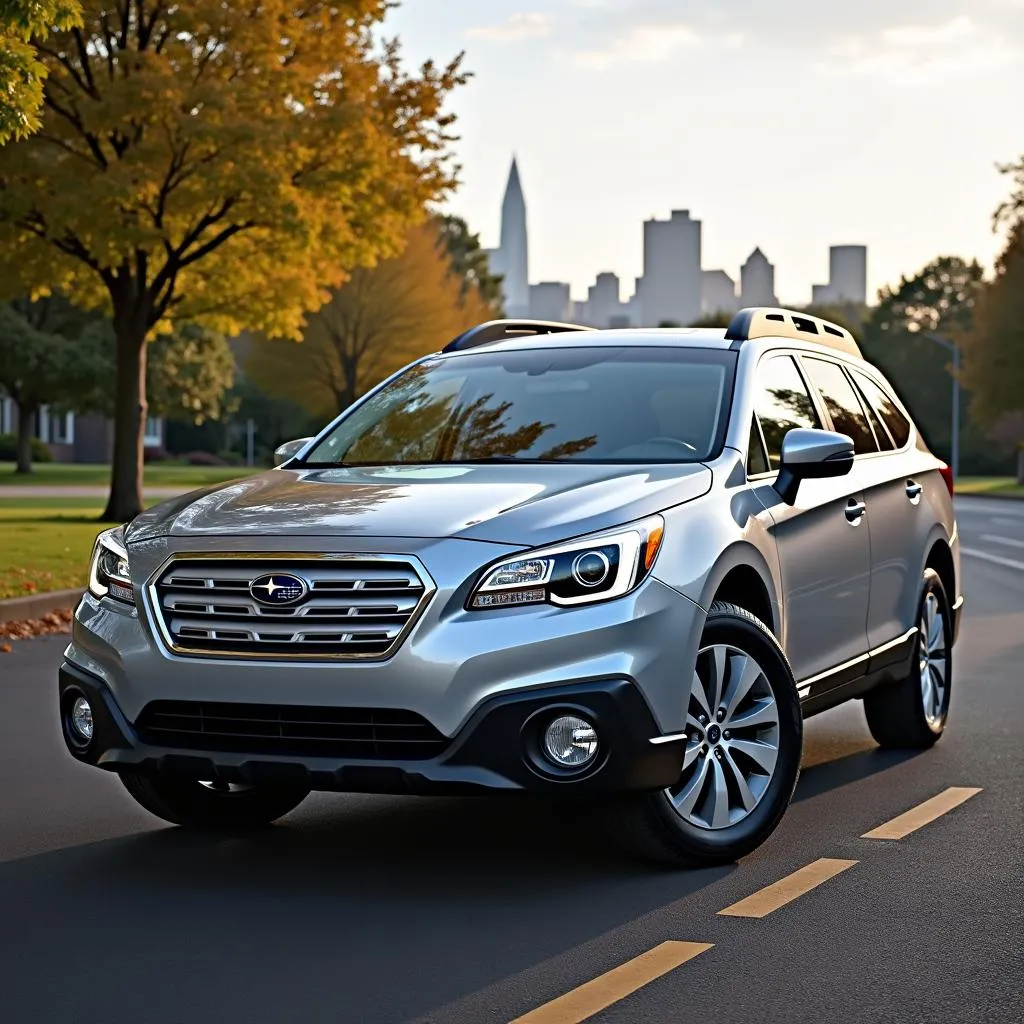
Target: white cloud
pixel 642 43
pixel 914 55
pixel 514 29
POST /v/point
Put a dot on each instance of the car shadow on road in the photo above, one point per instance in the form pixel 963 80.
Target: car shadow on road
pixel 393 906
pixel 825 776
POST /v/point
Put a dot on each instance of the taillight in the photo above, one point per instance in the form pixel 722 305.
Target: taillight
pixel 947 475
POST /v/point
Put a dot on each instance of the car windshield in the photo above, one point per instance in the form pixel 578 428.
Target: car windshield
pixel 541 405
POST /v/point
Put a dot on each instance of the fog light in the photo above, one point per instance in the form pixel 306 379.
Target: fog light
pixel 570 742
pixel 81 718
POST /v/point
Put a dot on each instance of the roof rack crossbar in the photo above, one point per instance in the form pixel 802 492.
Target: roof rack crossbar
pixel 769 322
pixel 502 330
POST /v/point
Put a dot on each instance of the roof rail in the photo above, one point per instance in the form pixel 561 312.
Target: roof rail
pixel 769 322
pixel 502 330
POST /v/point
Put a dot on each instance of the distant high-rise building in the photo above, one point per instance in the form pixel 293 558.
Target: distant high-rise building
pixel 603 300
pixel 821 294
pixel 757 281
pixel 848 273
pixel 670 287
pixel 511 258
pixel 717 293
pixel 549 300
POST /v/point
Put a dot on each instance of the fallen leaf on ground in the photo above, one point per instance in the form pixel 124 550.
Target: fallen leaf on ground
pixel 48 625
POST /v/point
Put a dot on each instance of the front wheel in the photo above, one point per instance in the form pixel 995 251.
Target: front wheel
pixel 211 805
pixel 912 713
pixel 744 739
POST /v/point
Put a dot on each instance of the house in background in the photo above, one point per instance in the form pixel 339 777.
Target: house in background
pixel 76 438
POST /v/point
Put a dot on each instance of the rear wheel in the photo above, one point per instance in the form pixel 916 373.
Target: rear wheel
pixel 912 713
pixel 210 805
pixel 742 756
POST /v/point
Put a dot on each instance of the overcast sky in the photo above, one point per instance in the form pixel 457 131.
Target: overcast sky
pixel 791 124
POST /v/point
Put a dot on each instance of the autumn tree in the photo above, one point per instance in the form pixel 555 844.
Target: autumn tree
pixel 994 364
pixel 470 262
pixel 21 71
pixel 380 319
pixel 218 162
pixel 937 301
pixel 994 349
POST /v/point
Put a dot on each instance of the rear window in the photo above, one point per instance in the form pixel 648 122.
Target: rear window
pixel 575 404
pixel 883 405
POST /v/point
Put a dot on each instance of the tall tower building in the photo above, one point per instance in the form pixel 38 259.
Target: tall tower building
pixel 513 253
pixel 847 276
pixel 848 273
pixel 669 291
pixel 757 281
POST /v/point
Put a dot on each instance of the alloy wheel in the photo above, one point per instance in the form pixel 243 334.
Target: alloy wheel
pixel 932 660
pixel 732 729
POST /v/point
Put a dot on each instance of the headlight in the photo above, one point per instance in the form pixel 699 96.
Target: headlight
pixel 108 570
pixel 595 568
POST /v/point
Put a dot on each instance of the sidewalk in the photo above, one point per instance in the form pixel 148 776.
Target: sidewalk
pixel 29 491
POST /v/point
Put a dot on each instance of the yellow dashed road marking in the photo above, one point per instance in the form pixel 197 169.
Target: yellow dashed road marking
pixel 616 984
pixel 923 814
pixel 785 890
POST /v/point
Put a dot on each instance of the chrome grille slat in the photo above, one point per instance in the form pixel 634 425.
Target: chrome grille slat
pixel 355 606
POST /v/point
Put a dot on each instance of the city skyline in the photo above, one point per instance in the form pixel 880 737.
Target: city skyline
pixel 675 286
pixel 791 127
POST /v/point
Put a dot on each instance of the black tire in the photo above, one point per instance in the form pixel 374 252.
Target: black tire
pixel 196 805
pixel 647 824
pixel 895 711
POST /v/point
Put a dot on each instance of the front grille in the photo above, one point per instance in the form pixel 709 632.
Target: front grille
pixel 289 730
pixel 353 607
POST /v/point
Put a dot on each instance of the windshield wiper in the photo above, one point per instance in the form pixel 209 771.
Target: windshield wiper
pixel 425 462
pixel 500 458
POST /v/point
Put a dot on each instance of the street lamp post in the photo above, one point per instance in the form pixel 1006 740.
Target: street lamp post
pixel 954 453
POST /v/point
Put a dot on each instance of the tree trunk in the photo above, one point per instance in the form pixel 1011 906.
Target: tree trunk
pixel 125 501
pixel 1020 465
pixel 26 413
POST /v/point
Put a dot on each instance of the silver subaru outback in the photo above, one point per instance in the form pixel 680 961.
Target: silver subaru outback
pixel 617 566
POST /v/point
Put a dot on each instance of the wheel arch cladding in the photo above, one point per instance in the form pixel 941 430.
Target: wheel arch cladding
pixel 940 558
pixel 740 583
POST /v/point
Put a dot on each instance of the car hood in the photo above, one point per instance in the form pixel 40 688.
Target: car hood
pixel 525 504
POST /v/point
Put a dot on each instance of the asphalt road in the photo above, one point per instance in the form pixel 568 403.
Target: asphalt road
pixel 380 910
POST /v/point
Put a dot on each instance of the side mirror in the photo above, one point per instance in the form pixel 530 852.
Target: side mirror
pixel 812 455
pixel 289 450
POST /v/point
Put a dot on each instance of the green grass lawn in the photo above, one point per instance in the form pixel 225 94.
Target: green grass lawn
pixel 45 548
pixel 994 486
pixel 157 474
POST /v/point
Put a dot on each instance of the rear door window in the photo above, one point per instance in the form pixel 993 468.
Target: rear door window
pixel 885 407
pixel 844 408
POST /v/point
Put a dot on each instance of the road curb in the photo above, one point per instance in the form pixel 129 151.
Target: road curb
pixel 35 606
pixel 987 496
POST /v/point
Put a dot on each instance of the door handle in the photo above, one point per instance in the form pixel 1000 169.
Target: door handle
pixel 914 490
pixel 855 511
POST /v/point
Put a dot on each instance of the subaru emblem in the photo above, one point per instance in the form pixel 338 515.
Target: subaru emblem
pixel 278 588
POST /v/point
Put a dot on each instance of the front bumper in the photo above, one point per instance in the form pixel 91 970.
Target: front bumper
pixel 496 749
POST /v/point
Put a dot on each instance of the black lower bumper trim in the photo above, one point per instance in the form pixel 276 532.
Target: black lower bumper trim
pixel 497 749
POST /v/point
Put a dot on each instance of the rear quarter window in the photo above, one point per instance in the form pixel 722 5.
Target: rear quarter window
pixel 885 408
